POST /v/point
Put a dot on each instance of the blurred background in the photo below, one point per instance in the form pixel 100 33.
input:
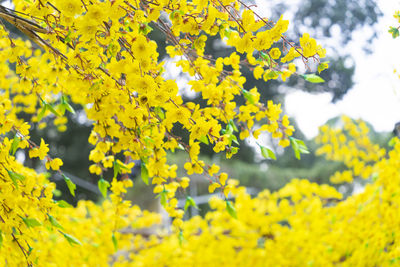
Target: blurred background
pixel 359 82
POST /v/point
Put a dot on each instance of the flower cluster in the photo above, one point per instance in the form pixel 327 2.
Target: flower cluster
pixel 98 54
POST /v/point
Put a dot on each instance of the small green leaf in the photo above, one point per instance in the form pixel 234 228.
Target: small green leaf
pixel 117 168
pixel 14 145
pixel 313 78
pixel 52 109
pixel 394 31
pixel 14 177
pixel 71 239
pixel 248 96
pixel 266 57
pixel 115 241
pixel 302 147
pixel 64 204
pixel 54 222
pixel 103 186
pixel 229 129
pixel 374 176
pixel 271 74
pixel 42 112
pixel 159 112
pixel 231 209
pixel 1 239
pixel 204 139
pixel 69 108
pixel 71 186
pixel 163 197
pixel 190 203
pixel 144 173
pixel 267 153
pixel 57 193
pixel 67 38
pixel 181 147
pixel 181 238
pixel 66 105
pixel 233 125
pixel 31 222
pixel 299 147
pixel 232 138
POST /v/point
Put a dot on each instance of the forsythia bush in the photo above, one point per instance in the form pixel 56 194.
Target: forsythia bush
pixel 98 54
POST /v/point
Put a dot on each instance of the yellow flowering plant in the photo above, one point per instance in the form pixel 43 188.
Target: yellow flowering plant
pixel 98 54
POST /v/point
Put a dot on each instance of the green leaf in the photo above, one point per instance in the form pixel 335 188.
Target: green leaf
pixel 66 105
pixel 67 38
pixel 57 193
pixel 267 153
pixel 14 177
pixel 231 209
pixel 204 139
pixel 233 125
pixel 14 145
pixel 229 129
pixel 71 186
pixel 31 222
pixel 271 74
pixel 159 112
pixel 117 168
pixel 41 113
pixel 302 147
pixel 232 138
pixel 181 238
pixel 299 147
pixel 54 222
pixel 64 204
pixel 181 147
pixel 144 173
pixel 374 176
pixel 163 197
pixel 394 31
pixel 248 96
pixel 190 203
pixel 266 57
pixel 103 186
pixel 1 239
pixel 227 32
pixel 313 78
pixel 52 109
pixel 71 239
pixel 115 241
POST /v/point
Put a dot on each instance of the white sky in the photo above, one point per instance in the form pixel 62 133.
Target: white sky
pixel 375 96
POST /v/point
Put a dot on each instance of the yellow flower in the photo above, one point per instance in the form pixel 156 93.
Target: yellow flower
pixel 309 45
pixel 184 182
pixel 54 164
pixel 223 177
pixel 213 169
pixel 40 152
pixel 275 53
pixel 212 187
